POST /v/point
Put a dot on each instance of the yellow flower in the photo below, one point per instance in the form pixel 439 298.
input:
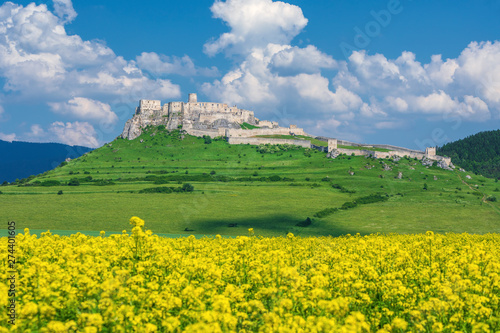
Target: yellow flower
pixel 136 221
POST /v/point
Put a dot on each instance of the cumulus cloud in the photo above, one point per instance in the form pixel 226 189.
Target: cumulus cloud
pixel 39 59
pixel 295 60
pixel 161 64
pixel 85 108
pixel 255 24
pixel 7 137
pixel 75 133
pixel 64 10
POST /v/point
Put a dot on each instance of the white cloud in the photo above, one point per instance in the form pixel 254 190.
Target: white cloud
pixel 76 133
pixel 161 64
pixel 383 125
pixel 397 103
pixel 437 102
pixel 295 60
pixel 85 108
pixel 64 10
pixel 39 59
pixel 371 111
pixel 36 131
pixel 315 88
pixel 7 137
pixel 255 24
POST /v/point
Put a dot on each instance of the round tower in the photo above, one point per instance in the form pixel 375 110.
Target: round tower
pixel 193 98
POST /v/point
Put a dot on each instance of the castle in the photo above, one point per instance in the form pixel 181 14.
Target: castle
pixel 240 126
pixel 200 118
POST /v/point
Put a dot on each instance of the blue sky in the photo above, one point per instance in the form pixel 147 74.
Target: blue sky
pixel 409 73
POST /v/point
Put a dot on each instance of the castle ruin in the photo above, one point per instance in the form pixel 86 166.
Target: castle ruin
pixel 201 118
pixel 240 126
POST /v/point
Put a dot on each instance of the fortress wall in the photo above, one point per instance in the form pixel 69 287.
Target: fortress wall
pixel 259 141
pixel 265 131
pixel 210 133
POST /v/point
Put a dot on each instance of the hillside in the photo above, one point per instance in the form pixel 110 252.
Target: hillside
pixel 22 159
pixel 479 153
pixel 184 185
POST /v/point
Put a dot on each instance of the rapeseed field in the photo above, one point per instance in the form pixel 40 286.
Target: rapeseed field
pixel 140 282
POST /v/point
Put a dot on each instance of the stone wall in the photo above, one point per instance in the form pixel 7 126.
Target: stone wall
pixel 265 131
pixel 258 141
pixel 210 133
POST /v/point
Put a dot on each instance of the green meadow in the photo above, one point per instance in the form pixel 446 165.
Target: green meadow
pixel 272 189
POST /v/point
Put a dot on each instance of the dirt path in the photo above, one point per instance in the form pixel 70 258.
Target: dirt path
pixel 483 199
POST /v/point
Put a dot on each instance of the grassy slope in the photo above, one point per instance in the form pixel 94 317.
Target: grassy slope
pixel 271 208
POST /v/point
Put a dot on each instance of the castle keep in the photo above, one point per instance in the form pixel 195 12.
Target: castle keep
pixel 219 119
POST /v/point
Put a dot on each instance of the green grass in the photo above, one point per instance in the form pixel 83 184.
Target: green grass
pixel 295 137
pixel 246 196
pixel 364 148
pixel 248 126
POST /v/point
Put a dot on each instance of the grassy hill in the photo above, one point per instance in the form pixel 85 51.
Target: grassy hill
pixel 272 189
pixel 479 153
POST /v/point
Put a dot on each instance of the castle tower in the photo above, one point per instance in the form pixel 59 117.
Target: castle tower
pixel 193 98
pixel 430 152
pixel 332 144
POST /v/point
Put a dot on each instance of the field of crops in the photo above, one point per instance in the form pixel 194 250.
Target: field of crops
pixel 138 281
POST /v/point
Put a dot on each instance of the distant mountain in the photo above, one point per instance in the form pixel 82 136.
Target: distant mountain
pixel 479 153
pixel 23 159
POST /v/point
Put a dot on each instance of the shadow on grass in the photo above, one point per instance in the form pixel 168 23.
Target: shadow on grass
pixel 274 225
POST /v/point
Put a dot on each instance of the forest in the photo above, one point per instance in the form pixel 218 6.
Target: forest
pixel 479 153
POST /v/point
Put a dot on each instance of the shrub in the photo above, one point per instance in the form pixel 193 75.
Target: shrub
pixel 74 182
pixel 372 198
pixel 208 139
pixel 326 212
pixel 60 192
pixel 163 189
pixel 50 182
pixel 348 205
pixel 187 188
pixel 491 198
pixel 275 178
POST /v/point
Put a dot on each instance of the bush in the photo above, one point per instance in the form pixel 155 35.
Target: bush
pixel 208 139
pixel 372 198
pixel 343 189
pixel 275 178
pixel 50 182
pixel 163 189
pixel 5 183
pixel 187 188
pixel 326 212
pixel 74 182
pixel 348 205
pixel 491 199
pixel 60 192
